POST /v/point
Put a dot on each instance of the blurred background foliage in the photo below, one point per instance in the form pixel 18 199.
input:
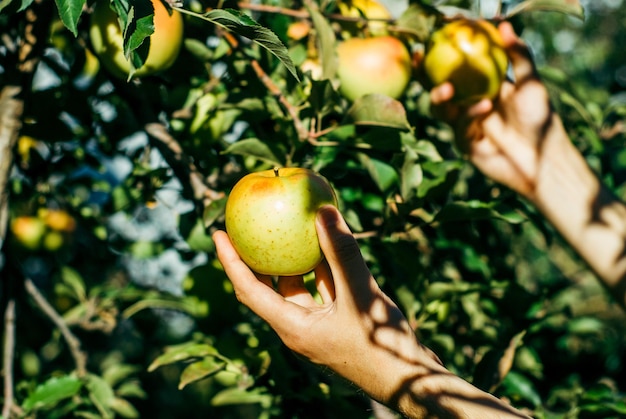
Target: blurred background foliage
pixel 118 305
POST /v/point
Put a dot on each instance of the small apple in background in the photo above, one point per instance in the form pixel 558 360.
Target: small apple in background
pixel 108 41
pixel 28 231
pixel 270 218
pixel 470 54
pixel 380 64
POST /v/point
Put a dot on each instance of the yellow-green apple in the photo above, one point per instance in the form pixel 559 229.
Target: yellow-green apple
pixel 28 230
pixel 470 54
pixel 379 64
pixel 375 12
pixel 270 218
pixel 107 40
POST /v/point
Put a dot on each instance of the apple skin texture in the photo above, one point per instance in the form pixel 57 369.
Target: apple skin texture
pixel 470 54
pixel 108 42
pixel 270 220
pixel 373 65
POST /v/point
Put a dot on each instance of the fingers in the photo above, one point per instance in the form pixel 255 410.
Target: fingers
pixel 350 274
pixel 292 289
pixel 324 282
pixel 519 54
pixel 256 293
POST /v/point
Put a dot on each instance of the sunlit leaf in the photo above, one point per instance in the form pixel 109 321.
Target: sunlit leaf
pixel 74 281
pixel 199 370
pixel 245 26
pixel 124 408
pixel 182 352
pixel 101 394
pixel 52 391
pixel 234 395
pixel 190 305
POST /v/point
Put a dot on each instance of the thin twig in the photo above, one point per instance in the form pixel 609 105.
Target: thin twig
pixel 200 189
pixel 303 14
pixel 301 130
pixel 80 358
pixel 8 356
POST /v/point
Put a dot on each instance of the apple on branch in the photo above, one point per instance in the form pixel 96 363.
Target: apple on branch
pixel 107 40
pixel 270 219
pixel 380 64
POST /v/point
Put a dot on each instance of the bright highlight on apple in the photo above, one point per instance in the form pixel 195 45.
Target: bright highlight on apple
pixel 270 219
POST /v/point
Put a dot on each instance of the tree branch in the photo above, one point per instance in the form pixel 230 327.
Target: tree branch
pixel 7 357
pixel 80 358
pixel 11 109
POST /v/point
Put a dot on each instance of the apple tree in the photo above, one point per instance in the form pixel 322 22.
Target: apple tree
pixel 113 177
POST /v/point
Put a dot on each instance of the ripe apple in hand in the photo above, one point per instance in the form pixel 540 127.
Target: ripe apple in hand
pixel 470 54
pixel 108 41
pixel 380 64
pixel 270 218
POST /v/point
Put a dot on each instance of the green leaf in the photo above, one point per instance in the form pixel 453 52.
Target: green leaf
pixel 378 110
pixel 199 370
pixel 569 7
pixel 213 211
pixel 383 174
pixel 519 387
pixel 255 148
pixel 418 20
pixel 243 25
pixel 182 352
pixel 325 36
pixel 236 395
pixel 74 281
pixel 116 373
pixel 70 11
pixel 436 175
pixel 411 174
pixel 477 210
pixel 52 391
pixel 124 408
pixel 101 394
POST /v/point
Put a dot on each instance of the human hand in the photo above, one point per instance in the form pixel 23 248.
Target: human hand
pixel 506 138
pixel 356 331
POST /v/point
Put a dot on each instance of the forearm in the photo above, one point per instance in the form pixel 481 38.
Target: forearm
pixel 588 216
pixel 409 378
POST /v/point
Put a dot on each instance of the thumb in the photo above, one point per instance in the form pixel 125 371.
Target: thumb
pixel 350 273
pixel 519 54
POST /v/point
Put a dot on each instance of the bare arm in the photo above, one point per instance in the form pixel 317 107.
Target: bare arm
pixel 358 331
pixel 519 141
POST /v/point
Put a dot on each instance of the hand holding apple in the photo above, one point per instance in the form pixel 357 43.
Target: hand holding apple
pixel 470 54
pixel 270 218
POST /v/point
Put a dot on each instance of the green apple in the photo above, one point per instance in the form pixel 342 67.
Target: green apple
pixel 270 218
pixel 108 41
pixel 380 64
pixel 470 54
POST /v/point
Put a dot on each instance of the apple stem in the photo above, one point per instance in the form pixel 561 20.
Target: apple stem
pixel 276 171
